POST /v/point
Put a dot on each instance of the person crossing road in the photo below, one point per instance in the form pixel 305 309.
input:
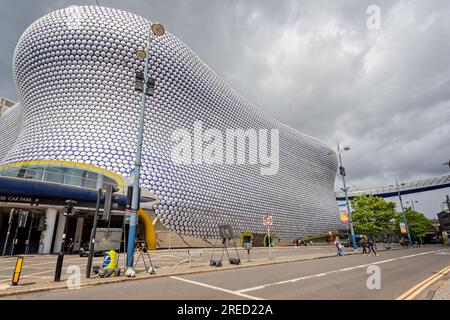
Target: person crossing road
pixel 339 246
pixel 371 246
pixel 363 244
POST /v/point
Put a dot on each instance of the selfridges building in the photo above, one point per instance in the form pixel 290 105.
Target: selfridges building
pixel 75 73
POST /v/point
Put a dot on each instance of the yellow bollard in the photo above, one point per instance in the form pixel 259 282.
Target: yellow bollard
pixel 17 271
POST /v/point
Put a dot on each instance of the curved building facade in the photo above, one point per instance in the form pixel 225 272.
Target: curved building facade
pixel 75 75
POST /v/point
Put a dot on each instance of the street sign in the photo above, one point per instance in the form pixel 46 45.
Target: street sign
pixel 268 220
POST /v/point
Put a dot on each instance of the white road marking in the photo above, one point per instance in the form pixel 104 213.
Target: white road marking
pixel 217 288
pixel 166 256
pixel 328 273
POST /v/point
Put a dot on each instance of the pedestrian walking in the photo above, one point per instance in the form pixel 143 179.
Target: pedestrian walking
pixel 339 247
pixel 371 246
pixel 363 244
pixel 403 242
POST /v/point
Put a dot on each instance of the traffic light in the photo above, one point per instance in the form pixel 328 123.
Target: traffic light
pixel 23 215
pixel 108 203
pixel 342 171
pixel 139 84
pixel 130 197
pixel 68 209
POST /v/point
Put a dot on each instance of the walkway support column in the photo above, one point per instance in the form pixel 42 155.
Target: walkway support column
pixel 78 234
pixel 47 235
pixel 59 233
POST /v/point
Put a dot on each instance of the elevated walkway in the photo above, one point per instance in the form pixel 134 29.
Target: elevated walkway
pixel 407 188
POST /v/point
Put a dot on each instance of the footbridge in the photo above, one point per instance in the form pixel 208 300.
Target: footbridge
pixel 404 188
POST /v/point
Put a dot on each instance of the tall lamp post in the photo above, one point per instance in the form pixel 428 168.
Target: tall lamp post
pixel 156 29
pixel 403 211
pixel 345 189
pixel 447 198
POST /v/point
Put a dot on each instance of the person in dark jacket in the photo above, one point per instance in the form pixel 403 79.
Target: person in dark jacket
pixel 371 246
pixel 363 244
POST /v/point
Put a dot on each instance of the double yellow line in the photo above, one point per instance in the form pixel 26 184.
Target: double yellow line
pixel 418 288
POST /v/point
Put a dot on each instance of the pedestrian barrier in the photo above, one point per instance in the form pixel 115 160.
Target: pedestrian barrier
pixel 196 255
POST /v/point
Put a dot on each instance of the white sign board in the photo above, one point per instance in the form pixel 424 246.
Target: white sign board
pixel 108 239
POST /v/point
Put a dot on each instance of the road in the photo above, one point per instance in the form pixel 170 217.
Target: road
pixel 328 278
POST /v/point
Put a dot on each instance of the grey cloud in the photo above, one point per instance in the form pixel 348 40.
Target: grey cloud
pixel 315 66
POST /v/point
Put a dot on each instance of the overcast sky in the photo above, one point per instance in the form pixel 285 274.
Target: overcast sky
pixel 316 66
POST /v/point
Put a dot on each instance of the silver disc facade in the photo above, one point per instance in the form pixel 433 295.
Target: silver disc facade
pixel 75 74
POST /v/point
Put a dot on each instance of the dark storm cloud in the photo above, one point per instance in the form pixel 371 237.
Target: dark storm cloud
pixel 315 66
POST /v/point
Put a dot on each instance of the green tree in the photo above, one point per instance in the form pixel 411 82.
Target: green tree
pixel 372 215
pixel 418 224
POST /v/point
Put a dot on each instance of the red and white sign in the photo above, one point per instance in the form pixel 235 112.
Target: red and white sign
pixel 268 220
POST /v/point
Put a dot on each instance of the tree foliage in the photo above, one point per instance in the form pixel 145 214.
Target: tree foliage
pixel 372 215
pixel 418 224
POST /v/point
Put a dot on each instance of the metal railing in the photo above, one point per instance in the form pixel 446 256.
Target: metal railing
pixel 49 174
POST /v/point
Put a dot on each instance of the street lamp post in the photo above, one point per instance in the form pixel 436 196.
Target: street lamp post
pixel 447 198
pixel 404 215
pixel 156 29
pixel 345 189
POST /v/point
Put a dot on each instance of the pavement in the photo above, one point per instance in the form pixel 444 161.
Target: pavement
pixel 442 287
pixel 443 293
pixel 262 278
pixel 38 270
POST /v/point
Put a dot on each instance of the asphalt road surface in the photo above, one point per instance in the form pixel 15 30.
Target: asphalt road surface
pixel 328 278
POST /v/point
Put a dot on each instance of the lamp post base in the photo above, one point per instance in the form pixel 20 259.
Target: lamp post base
pixel 130 273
